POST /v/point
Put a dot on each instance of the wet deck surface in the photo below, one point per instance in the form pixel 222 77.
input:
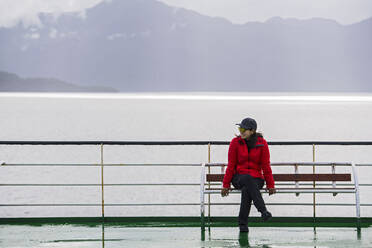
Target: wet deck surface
pixel 119 236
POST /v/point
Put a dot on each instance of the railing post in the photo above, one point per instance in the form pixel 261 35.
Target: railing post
pixel 209 186
pixel 102 188
pixel 314 203
pixel 202 208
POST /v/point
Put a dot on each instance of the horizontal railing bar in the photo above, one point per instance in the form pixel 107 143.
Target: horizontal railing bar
pixel 299 204
pixel 164 184
pixel 198 165
pixel 316 184
pixel 209 164
pixel 311 164
pixel 47 205
pixel 113 142
pixel 177 204
pixel 109 184
pixel 178 142
pixel 319 184
pixel 99 205
pixel 291 164
pixel 159 184
pixel 289 191
pixel 90 165
pixel 76 165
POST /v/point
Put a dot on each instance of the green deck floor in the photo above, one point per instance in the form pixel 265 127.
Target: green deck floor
pixel 181 232
pixel 118 236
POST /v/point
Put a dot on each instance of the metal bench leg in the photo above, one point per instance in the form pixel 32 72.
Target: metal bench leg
pixel 202 219
pixel 357 199
pixel 202 208
pixel 357 207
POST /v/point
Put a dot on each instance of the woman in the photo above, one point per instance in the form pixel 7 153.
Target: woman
pixel 248 157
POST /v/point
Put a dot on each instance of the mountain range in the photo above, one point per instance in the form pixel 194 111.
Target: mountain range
pixel 146 45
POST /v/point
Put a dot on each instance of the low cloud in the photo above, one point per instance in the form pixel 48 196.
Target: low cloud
pixel 32 36
pixel 175 26
pixel 116 36
pixel 53 33
pixel 26 12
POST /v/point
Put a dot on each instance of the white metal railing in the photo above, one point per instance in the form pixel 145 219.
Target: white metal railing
pixel 171 143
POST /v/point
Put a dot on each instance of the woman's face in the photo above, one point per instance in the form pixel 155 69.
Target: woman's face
pixel 245 133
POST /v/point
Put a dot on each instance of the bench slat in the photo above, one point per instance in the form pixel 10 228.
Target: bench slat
pixel 312 177
pixel 349 188
pixel 293 177
pixel 293 190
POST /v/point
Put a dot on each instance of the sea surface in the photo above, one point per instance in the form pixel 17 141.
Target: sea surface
pixel 197 116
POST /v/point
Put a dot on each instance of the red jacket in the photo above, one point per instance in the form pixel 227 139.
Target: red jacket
pixel 254 162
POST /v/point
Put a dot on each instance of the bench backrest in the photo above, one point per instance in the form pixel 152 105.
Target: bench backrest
pixel 293 177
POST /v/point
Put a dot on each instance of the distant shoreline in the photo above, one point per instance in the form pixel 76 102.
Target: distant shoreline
pixel 230 96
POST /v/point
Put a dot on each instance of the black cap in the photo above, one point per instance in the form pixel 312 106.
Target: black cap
pixel 248 123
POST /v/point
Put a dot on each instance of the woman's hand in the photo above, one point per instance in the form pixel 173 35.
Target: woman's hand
pixel 271 190
pixel 225 192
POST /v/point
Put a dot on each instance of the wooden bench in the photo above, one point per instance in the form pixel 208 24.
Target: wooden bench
pixel 209 182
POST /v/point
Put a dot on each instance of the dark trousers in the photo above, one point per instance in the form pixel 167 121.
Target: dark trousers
pixel 250 187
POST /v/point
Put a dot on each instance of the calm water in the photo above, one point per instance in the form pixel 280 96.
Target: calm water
pixel 169 117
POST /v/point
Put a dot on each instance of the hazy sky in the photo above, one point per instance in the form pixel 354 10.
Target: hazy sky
pixel 242 11
pixel 237 11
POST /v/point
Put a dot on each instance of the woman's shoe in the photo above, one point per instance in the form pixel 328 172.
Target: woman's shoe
pixel 266 215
